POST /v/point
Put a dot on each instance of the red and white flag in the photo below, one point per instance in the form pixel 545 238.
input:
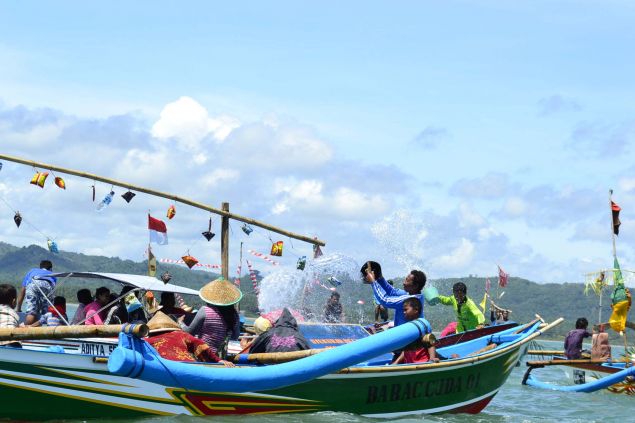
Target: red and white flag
pixel 502 277
pixel 488 285
pixel 158 231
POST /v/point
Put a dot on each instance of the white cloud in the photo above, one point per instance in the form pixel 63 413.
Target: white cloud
pixel 188 122
pixel 515 207
pixel 220 175
pixel 627 184
pixel 469 217
pixel 460 257
pixel 350 203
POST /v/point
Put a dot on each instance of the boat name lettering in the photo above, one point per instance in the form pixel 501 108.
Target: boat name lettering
pixel 421 389
pixel 102 350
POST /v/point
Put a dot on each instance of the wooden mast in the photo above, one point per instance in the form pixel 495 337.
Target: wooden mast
pixel 223 213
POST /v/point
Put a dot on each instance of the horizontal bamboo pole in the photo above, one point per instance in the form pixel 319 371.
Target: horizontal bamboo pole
pixel 545 352
pixel 169 196
pixel 572 362
pixel 80 331
pixel 279 357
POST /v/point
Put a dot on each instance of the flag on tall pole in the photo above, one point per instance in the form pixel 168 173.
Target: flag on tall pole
pixel 615 209
pixel 152 263
pixel 502 277
pixel 158 231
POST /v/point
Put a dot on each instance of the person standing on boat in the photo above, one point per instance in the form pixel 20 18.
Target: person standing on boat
pixel 218 317
pixel 468 315
pixel 392 297
pixel 573 341
pixel 37 286
pixel 8 317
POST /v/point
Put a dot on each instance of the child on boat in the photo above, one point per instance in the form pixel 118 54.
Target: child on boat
pixel 573 341
pixel 56 314
pixel 468 315
pixel 422 350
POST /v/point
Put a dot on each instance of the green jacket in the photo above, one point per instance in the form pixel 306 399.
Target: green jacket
pixel 470 316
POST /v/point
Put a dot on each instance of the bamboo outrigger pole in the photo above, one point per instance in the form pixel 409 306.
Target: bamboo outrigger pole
pixel 224 211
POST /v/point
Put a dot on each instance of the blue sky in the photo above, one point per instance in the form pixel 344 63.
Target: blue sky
pixel 448 136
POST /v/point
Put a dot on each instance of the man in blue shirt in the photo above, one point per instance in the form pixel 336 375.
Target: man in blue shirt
pixel 391 297
pixel 36 287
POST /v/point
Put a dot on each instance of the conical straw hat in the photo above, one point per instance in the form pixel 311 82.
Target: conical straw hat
pixel 161 322
pixel 220 292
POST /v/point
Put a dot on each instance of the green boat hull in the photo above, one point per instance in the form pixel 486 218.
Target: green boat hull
pixel 37 385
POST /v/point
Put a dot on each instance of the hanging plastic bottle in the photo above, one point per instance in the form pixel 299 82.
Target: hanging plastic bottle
pixel 107 200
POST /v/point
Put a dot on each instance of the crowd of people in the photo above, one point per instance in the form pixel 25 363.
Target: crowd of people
pixel 180 334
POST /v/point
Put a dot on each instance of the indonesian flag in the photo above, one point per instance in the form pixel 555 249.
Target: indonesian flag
pixel 158 231
pixel 502 277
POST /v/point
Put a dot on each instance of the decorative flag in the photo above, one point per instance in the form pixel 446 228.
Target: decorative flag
pixel 17 219
pixel 483 303
pixel 317 251
pixel 615 209
pixel 93 187
pixel 166 277
pixel 238 273
pixel 189 261
pixel 158 231
pixel 301 263
pixel 208 266
pixel 60 182
pixel 106 201
pixel 488 285
pixel 262 256
pixel 128 196
pixel 208 234
pixel 0 166
pixel 52 246
pixel 247 229
pixel 152 263
pixel 39 179
pixel 620 300
pixel 171 212
pixel 502 277
pixel 252 276
pixel 276 248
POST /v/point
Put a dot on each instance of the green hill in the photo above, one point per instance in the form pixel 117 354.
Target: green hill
pixel 523 297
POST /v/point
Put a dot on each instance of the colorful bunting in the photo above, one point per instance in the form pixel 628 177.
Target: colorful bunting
pixel 189 261
pixel 128 196
pixel 276 248
pixel 60 182
pixel 615 210
pixel 39 179
pixel 171 212
pixel 208 234
pixel 620 300
pixel 17 219
pixel 301 263
pixel 106 201
pixel 262 256
pixel 172 261
pixel 52 245
pixel 254 279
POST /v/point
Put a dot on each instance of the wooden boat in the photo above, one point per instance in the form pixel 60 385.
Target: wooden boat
pixel 78 385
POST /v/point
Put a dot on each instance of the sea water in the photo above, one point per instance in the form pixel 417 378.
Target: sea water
pixel 513 403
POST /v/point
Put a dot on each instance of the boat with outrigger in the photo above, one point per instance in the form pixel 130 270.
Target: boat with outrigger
pixel 597 370
pixel 132 380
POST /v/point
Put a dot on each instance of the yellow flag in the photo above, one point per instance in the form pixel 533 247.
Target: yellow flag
pixel 483 303
pixel 152 263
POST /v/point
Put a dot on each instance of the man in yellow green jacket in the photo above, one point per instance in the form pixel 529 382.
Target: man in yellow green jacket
pixel 468 315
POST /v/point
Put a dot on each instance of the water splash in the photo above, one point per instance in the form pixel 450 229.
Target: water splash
pixel 403 235
pixel 308 290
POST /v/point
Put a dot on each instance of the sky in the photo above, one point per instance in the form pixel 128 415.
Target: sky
pixel 446 136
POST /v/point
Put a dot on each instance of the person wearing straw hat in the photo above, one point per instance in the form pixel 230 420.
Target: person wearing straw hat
pixel 172 343
pixel 218 318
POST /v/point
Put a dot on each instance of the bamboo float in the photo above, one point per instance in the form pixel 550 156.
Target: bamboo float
pixel 573 362
pixel 276 358
pixel 60 332
pixel 224 213
pixel 545 352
